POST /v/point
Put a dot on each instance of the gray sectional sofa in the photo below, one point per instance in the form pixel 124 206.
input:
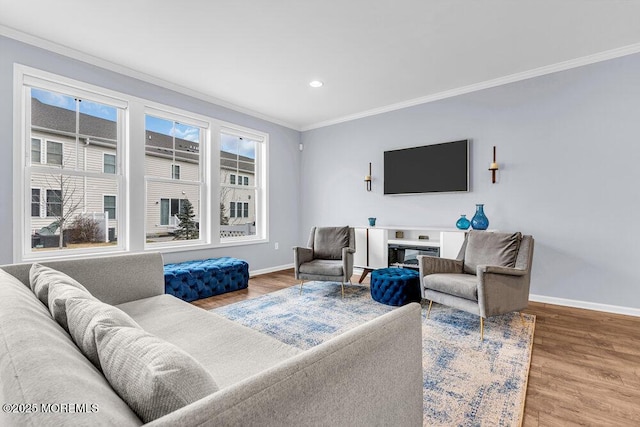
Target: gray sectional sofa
pixel 371 375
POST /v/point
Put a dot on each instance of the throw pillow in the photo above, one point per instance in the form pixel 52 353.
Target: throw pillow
pixel 329 241
pixel 82 317
pixel 153 376
pixel 491 248
pixel 53 287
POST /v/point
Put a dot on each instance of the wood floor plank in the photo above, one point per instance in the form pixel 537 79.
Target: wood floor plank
pixel 585 365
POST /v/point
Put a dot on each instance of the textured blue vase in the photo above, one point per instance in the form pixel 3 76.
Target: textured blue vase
pixel 463 223
pixel 480 220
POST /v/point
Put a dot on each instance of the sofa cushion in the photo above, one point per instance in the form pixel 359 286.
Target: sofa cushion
pixel 39 363
pixel 490 248
pixel 460 285
pixel 322 267
pixel 58 287
pixel 83 315
pixel 41 277
pixel 153 376
pixel 229 351
pixel 329 241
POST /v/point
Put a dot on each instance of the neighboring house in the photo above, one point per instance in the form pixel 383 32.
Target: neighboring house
pixel 53 143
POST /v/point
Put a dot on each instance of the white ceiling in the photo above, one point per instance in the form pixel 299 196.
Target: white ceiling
pixel 259 55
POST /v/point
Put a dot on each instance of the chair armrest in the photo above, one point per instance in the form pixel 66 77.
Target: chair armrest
pixel 301 255
pixel 494 269
pixel 433 265
pixel 347 263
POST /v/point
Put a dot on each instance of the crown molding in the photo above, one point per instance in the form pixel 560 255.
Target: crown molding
pixel 536 72
pixel 129 72
pixel 120 69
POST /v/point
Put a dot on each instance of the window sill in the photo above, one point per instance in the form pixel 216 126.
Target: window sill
pixel 201 246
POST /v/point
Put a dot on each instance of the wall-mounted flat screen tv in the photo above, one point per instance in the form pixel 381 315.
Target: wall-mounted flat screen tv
pixel 437 168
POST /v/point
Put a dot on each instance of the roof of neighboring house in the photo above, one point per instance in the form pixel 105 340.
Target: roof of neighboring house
pixel 62 121
pixel 99 131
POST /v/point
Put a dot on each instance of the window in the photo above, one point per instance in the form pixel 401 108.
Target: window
pixel 109 163
pixel 67 132
pixel 241 158
pixel 35 202
pixel 76 150
pixel 54 203
pixel 36 150
pixel 54 153
pixel 173 169
pixel 109 206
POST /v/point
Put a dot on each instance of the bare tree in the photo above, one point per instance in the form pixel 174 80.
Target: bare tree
pixel 67 202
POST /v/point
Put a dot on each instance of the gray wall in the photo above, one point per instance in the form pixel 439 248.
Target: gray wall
pixel 569 152
pixel 283 151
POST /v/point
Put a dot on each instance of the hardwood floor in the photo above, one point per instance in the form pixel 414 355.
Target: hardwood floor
pixel 585 365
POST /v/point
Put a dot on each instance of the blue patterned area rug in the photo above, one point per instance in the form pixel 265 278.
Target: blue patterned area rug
pixel 466 382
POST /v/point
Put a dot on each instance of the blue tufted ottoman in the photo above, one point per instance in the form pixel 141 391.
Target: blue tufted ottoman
pixel 395 286
pixel 193 280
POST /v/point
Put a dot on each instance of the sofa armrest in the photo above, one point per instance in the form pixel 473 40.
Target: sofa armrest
pixel 494 269
pixel 433 265
pixel 370 375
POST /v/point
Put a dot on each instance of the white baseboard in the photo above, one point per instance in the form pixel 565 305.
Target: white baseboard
pixel 270 270
pixel 616 309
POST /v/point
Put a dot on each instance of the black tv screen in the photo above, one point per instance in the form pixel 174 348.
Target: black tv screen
pixel 436 168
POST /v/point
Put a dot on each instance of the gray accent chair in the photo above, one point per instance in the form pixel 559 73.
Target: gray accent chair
pixel 327 257
pixel 490 277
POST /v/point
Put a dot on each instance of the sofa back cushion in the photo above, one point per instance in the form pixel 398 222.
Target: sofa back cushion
pixel 152 375
pixel 40 364
pixel 329 241
pixel 83 315
pixel 57 288
pixel 490 248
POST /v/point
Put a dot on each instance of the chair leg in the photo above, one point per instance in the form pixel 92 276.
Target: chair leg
pixel 481 328
pixel 301 283
pixel 524 323
pixel 342 287
pixel 429 310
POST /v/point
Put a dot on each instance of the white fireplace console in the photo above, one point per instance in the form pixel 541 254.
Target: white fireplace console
pixel 373 244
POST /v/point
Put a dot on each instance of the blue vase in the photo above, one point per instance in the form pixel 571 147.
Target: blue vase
pixel 480 220
pixel 463 223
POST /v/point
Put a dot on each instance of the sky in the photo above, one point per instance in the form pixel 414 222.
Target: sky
pixel 229 143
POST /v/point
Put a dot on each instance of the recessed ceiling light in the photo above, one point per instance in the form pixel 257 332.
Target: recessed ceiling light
pixel 315 83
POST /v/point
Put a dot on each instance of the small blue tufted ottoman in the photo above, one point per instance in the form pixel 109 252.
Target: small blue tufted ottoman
pixel 194 280
pixel 395 286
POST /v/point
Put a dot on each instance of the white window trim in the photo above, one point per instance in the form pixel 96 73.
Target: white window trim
pixel 131 205
pixel 24 78
pixel 260 186
pixel 204 123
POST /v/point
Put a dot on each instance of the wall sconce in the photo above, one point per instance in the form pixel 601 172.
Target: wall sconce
pixel 494 166
pixel 367 178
